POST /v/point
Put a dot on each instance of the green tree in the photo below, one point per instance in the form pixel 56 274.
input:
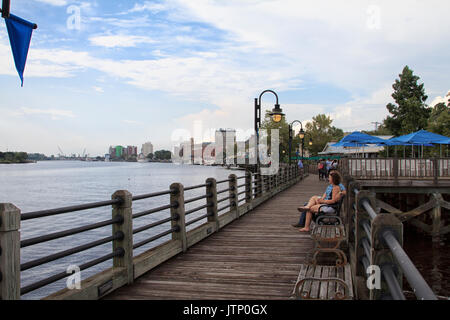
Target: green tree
pixel 410 112
pixel 283 127
pixel 163 155
pixel 321 132
pixel 439 121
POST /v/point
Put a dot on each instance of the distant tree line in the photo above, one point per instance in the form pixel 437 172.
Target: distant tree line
pixel 162 155
pixel 13 157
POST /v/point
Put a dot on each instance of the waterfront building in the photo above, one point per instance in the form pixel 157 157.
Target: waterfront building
pixel 147 148
pixel 131 151
pixel 119 151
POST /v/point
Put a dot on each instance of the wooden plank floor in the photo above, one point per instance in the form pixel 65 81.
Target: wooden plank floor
pixel 255 257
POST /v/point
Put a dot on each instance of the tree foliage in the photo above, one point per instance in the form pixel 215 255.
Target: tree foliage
pixel 320 131
pixel 283 127
pixel 13 157
pixel 410 112
pixel 163 155
pixel 439 121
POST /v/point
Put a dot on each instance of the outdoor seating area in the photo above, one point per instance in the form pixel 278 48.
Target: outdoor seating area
pixel 326 282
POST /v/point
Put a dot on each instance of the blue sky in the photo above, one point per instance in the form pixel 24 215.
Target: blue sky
pixel 135 71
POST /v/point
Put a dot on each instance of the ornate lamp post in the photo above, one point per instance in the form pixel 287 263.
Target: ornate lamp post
pixel 276 114
pixel 301 135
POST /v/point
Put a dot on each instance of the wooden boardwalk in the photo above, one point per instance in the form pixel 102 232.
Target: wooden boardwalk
pixel 255 257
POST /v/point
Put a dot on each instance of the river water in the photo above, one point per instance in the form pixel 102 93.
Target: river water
pixel 53 184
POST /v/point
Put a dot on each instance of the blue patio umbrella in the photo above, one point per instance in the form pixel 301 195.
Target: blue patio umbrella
pixel 361 138
pixel 358 139
pixel 348 144
pixel 419 138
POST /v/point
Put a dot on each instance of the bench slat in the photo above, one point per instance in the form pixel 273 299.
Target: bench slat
pixel 324 285
pixel 314 293
pixel 331 285
pixel 309 273
pixel 339 287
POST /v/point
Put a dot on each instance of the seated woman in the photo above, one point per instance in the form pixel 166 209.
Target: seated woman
pixel 331 196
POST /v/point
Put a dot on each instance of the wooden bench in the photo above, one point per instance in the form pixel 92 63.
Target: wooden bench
pixel 331 236
pixel 324 283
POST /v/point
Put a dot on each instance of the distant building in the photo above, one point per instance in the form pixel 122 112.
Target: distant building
pixel 147 148
pixel 119 151
pixel 131 151
pixel 112 152
pixel 369 151
pixel 221 140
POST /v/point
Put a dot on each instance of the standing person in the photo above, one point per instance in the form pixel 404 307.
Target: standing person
pixel 300 166
pixel 320 167
pixel 334 165
pixel 331 196
pixel 328 167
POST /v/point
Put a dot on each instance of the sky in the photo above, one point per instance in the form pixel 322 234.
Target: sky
pixel 120 72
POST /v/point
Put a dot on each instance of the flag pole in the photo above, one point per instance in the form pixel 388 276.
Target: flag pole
pixel 6 4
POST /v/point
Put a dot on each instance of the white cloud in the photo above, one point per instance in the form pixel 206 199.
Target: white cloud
pixel 119 40
pixel 55 114
pixel 440 99
pixel 58 3
pixel 98 89
pixel 149 6
pixel 132 122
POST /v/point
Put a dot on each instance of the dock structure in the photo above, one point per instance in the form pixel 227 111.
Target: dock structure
pixel 240 243
pixel 255 257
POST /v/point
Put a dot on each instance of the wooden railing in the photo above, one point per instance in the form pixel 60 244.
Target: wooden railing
pixel 395 168
pixel 222 205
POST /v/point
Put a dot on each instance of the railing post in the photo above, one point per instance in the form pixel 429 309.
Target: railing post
pixel 126 227
pixel 232 183
pixel 395 168
pixel 381 255
pixel 436 215
pixel 435 170
pixel 211 201
pixel 248 187
pixel 260 185
pixel 9 252
pixel 177 213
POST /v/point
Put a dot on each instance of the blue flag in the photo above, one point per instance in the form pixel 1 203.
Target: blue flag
pixel 19 32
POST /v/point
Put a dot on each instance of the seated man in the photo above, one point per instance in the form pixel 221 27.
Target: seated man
pixel 302 220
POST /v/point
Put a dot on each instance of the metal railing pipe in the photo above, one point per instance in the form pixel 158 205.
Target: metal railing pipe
pixel 415 279
pixel 392 283
pixel 52 212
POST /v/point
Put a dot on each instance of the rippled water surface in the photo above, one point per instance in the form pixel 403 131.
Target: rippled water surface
pixel 53 184
pixel 431 259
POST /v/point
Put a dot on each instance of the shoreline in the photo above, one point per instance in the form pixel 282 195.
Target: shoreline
pixel 18 162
